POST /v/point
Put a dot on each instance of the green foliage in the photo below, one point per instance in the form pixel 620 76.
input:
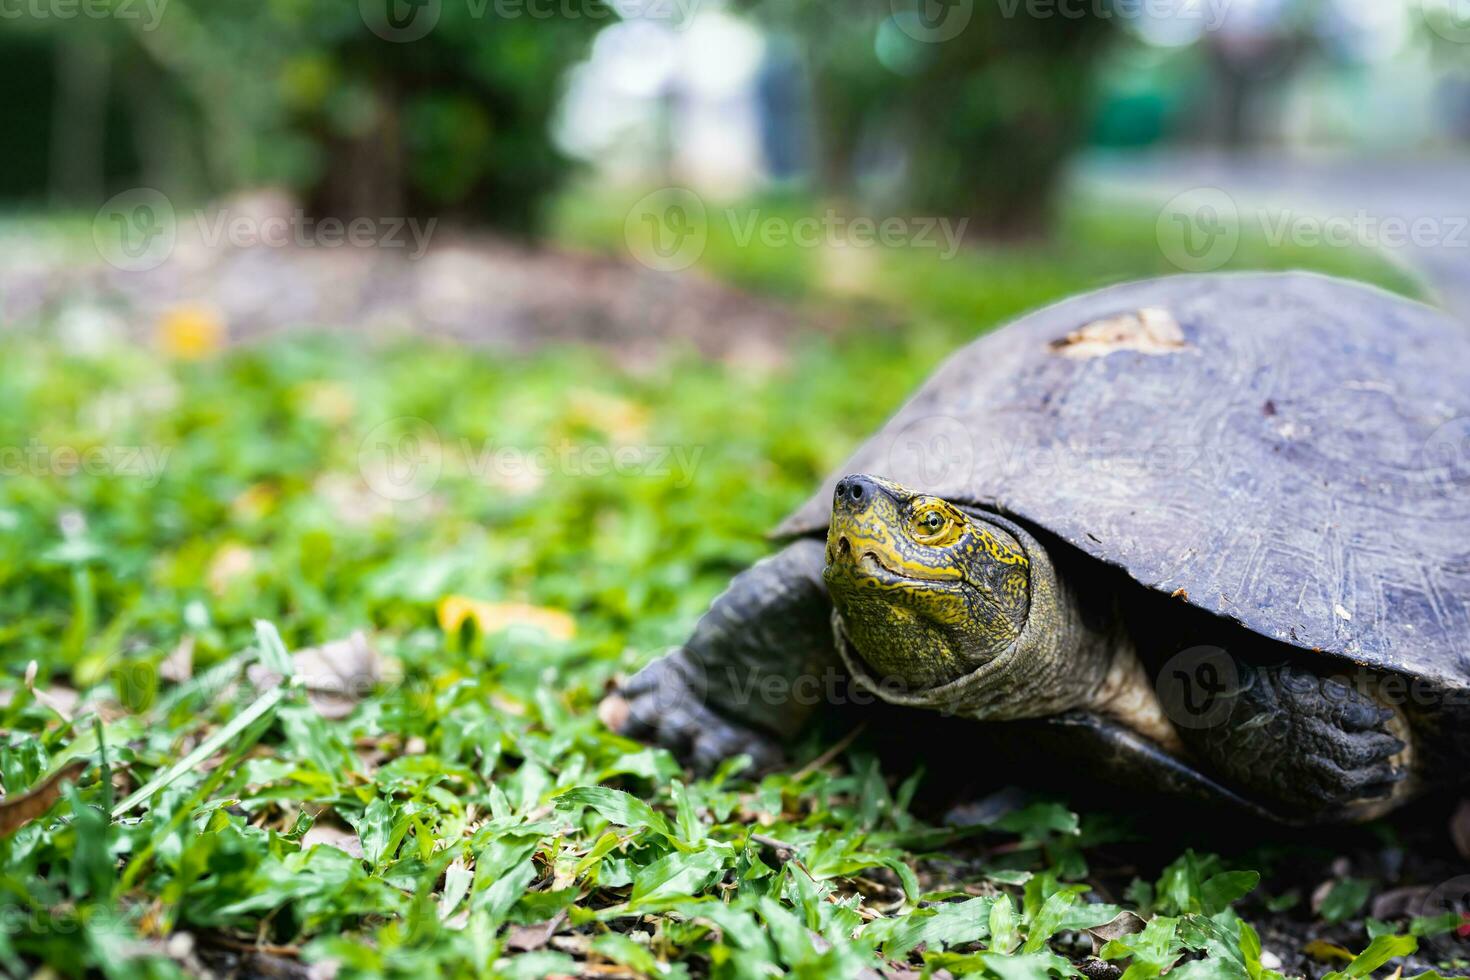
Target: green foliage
pixel 1346 899
pixel 448 118
pixel 1379 952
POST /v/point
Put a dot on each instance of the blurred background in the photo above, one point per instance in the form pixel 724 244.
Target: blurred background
pixel 312 311
pixel 475 344
pixel 191 123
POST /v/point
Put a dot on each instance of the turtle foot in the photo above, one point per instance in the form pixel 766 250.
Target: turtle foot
pixel 1311 742
pixel 665 704
pixel 1348 749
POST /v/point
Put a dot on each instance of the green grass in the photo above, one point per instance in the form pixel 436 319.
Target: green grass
pixel 483 793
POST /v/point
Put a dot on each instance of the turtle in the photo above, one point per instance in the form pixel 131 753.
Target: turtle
pixel 1205 534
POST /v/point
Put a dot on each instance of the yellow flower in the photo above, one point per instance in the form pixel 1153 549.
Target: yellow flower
pixel 191 332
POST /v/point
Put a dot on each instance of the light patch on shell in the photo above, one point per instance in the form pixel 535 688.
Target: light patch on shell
pixel 1150 330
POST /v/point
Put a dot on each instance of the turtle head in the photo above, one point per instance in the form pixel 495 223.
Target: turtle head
pixel 927 592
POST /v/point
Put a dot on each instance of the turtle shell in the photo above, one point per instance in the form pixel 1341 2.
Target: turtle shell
pixel 1289 451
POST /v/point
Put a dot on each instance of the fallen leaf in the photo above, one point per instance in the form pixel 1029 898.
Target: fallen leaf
pixel 58 697
pixel 493 617
pixel 1125 923
pixel 178 666
pixel 524 939
pixel 331 835
pixel 337 675
pixel 1324 952
pixel 17 811
pixel 327 401
pixel 255 502
pixel 1399 903
pixel 617 418
pixel 230 563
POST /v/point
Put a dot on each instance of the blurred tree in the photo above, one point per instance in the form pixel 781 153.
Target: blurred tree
pixel 379 108
pixel 456 122
pixel 946 106
pixel 65 124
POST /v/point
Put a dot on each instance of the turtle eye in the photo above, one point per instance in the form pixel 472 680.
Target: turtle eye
pixel 932 522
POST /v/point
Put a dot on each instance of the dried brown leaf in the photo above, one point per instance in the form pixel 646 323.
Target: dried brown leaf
pixel 17 811
pixel 1399 903
pixel 178 666
pixel 332 836
pixel 337 675
pixel 1125 923
pixel 527 938
pixel 58 697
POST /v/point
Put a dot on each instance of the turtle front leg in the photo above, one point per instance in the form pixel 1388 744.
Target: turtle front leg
pixel 1305 744
pixel 757 665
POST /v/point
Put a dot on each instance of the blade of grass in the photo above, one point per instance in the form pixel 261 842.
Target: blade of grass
pixel 267 702
pixel 102 761
pixel 140 861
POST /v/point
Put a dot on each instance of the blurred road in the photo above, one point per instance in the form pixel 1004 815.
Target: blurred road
pixel 1416 212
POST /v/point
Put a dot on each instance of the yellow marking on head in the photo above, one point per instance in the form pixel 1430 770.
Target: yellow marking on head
pixel 924 589
pixel 998 550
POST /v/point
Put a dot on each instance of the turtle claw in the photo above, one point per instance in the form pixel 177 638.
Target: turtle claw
pixel 1381 783
pixel 664 704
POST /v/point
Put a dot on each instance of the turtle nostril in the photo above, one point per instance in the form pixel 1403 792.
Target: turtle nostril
pixel 852 491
